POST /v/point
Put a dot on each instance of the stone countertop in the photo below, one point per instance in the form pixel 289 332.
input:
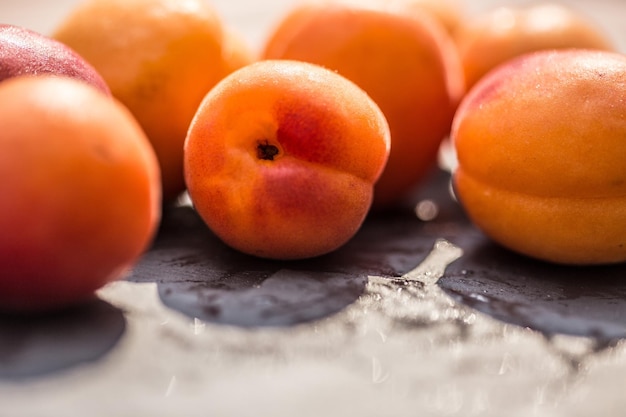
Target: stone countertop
pixel 412 317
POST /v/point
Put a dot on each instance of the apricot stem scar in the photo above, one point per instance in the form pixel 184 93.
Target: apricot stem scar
pixel 266 151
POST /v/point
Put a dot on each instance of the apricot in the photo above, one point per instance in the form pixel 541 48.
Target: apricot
pixel 160 57
pixel 26 52
pixel 281 159
pixel 80 192
pixel 507 32
pixel 404 59
pixel 541 150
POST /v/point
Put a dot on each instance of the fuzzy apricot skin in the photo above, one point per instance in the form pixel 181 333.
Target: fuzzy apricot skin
pixel 401 56
pixel 312 196
pixel 541 149
pixel 80 192
pixel 26 52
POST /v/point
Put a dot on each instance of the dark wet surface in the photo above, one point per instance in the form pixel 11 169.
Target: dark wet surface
pixel 199 276
pixel 553 299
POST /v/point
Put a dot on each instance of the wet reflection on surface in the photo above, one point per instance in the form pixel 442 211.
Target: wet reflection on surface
pixel 38 345
pixel 553 299
pixel 285 298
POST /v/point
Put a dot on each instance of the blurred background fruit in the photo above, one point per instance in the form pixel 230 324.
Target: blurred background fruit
pixel 503 33
pixel 26 52
pixel 159 57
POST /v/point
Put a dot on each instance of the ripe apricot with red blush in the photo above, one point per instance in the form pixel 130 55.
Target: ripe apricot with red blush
pixel 282 157
pixel 541 151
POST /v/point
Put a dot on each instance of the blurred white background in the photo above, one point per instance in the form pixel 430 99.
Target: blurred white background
pixel 254 18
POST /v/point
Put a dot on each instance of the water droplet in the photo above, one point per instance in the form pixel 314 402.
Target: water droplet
pixel 479 297
pixel 198 326
pixel 427 210
pixel 379 375
pixel 171 386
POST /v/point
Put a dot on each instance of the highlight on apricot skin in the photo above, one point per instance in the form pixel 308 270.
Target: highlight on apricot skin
pixel 541 151
pixel 507 32
pixel 403 58
pixel 281 159
pixel 80 192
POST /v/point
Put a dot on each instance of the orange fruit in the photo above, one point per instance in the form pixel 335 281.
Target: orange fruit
pixel 159 57
pixel 541 144
pixel 507 32
pixel 81 192
pixel 282 157
pixel 404 59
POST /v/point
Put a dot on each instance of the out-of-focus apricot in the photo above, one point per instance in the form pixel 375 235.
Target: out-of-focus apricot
pixel 282 157
pixel 26 52
pixel 80 192
pixel 404 59
pixel 541 144
pixel 508 32
pixel 159 57
pixel 236 52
